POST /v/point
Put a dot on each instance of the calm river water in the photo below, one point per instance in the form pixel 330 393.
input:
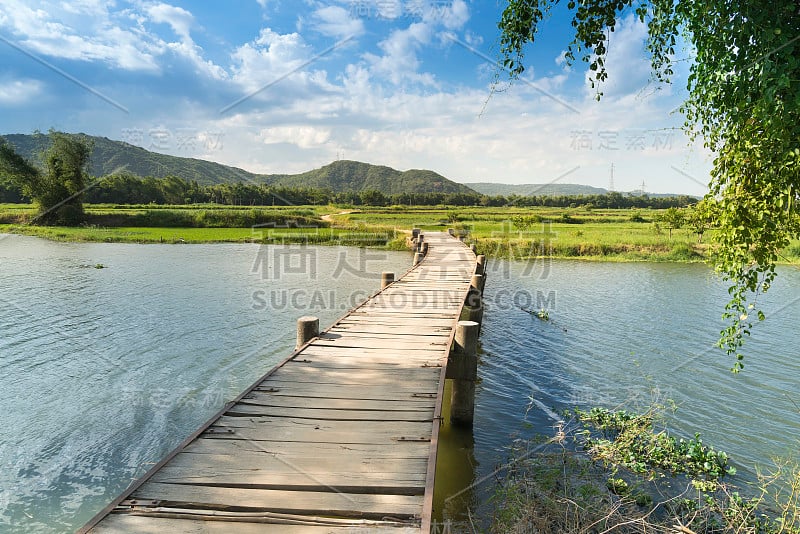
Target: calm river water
pixel 619 335
pixel 105 370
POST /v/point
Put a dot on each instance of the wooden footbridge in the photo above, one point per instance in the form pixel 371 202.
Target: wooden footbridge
pixel 342 435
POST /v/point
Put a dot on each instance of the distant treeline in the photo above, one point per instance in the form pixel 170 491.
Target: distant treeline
pixel 127 189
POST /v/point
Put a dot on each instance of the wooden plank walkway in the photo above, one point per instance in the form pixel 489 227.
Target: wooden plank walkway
pixel 340 437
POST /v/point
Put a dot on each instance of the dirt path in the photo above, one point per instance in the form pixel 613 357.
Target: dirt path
pixel 329 217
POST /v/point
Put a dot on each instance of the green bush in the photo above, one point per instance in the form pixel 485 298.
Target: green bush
pixel 227 218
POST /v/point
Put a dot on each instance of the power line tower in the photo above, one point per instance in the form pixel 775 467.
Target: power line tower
pixel 611 179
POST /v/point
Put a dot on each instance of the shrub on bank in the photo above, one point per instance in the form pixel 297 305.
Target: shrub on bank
pixel 616 471
pixel 228 218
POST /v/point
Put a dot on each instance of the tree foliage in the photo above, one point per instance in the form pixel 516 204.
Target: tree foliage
pixel 744 101
pixel 59 186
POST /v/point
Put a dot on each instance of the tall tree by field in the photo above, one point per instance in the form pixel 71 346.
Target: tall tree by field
pixel 58 188
pixel 744 101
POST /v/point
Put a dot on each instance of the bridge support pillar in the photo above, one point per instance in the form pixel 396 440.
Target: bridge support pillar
pixel 386 279
pixel 463 368
pixel 476 282
pixel 307 329
pixel 417 257
pixel 480 267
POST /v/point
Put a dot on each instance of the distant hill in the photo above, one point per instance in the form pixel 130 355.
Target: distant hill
pixel 111 156
pixel 491 189
pixel 486 188
pixel 354 176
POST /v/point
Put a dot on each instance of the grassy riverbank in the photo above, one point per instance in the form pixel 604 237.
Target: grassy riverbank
pixel 518 233
pixel 622 471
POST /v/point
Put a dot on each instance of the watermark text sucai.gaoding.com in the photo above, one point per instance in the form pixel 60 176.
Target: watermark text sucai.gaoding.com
pixel 506 299
pixel 332 299
pixel 307 300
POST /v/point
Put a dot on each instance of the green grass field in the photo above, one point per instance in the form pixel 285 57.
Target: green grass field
pixel 591 234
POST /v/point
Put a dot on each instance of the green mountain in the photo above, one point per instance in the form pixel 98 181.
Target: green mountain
pixel 349 176
pixel 486 188
pixel 114 157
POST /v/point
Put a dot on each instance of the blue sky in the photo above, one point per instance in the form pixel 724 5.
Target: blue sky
pixel 279 86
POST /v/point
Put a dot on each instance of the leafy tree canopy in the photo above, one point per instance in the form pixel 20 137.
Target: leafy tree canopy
pixel 58 187
pixel 744 101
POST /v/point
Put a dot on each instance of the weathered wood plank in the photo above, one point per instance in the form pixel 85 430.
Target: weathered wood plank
pixel 405 337
pixel 422 415
pixel 385 451
pixel 347 462
pixel 395 354
pixel 361 343
pixel 348 391
pixel 368 377
pixel 331 504
pixel 299 481
pixel 317 431
pixel 138 524
pixel 272 399
pixel 419 330
pixel 356 364
pixel 388 322
pixel 259 423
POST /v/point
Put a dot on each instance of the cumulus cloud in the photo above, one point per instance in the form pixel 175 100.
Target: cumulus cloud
pixel 452 16
pixel 626 63
pixel 335 21
pixel 268 57
pixel 399 61
pixel 178 18
pixel 181 22
pixel 85 31
pixel 301 135
pixel 19 91
pixel 436 25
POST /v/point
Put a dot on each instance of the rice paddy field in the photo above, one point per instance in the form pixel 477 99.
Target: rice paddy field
pixel 514 233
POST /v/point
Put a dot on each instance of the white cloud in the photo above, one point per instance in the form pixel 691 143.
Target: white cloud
pixel 84 31
pixel 473 39
pixel 300 135
pixel 270 56
pixel 627 66
pixel 335 21
pixel 399 61
pixel 91 31
pixel 178 18
pixel 452 16
pixel 181 22
pixel 19 91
